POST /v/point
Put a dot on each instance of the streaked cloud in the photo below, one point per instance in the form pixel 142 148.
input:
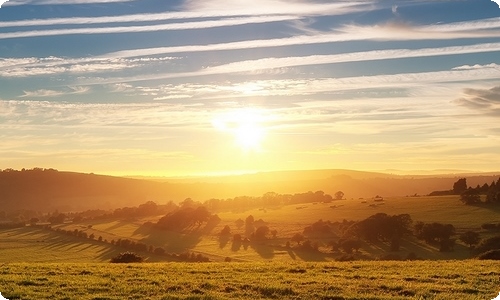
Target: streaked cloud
pixel 60 2
pixel 147 28
pixel 56 93
pixel 485 101
pixel 258 65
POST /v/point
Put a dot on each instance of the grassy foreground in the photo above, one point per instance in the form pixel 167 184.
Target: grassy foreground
pixel 468 279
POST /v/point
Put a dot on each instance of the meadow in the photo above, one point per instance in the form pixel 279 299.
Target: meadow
pixel 291 219
pixel 36 244
pixel 41 263
pixel 258 280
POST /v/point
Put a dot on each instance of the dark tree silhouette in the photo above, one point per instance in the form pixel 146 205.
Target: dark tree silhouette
pixel 261 233
pixel 470 197
pixel 225 231
pixel 436 233
pixel 382 227
pixel 470 238
pixel 57 219
pixel 127 257
pixel 460 186
pixel 349 245
pixel 339 195
pixel 297 238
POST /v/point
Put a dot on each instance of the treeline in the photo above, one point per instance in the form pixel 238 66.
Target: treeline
pixel 269 200
pixel 348 237
pixel 472 195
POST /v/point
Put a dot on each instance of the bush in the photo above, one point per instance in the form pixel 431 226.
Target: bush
pixel 412 256
pixel 492 254
pixel 489 226
pixel 390 256
pixel 346 257
pixel 492 243
pixel 127 257
pixel 159 251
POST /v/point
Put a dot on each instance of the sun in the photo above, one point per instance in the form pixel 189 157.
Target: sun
pixel 245 125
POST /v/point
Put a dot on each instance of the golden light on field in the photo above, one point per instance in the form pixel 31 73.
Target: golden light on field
pixel 245 125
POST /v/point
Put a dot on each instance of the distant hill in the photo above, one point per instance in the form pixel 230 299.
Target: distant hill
pixel 47 190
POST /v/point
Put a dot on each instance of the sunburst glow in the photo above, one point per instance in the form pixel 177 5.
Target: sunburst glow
pixel 245 125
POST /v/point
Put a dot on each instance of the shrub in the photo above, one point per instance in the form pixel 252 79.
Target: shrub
pixel 346 257
pixel 159 251
pixel 127 257
pixel 390 256
pixel 492 254
pixel 492 243
pixel 412 256
pixel 489 226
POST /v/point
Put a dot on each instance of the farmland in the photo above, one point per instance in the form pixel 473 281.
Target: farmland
pixel 70 260
pixel 37 244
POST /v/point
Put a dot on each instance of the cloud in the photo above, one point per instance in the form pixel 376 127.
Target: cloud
pixel 309 9
pixel 61 2
pixel 475 67
pixel 259 65
pixel 149 28
pixel 482 100
pixel 25 67
pixel 437 84
pixel 389 31
pixel 54 93
pixel 395 10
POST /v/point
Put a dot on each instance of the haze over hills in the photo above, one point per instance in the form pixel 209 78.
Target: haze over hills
pixel 48 190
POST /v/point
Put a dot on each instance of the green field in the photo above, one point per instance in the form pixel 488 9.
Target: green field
pixel 347 280
pixel 35 244
pixel 41 263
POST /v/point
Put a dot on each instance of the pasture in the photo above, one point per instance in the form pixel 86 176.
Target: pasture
pixel 466 280
pixel 291 219
pixel 33 244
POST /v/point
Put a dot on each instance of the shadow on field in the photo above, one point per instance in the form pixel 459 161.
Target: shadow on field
pixel 173 241
pixel 311 256
pixel 265 251
pixel 117 225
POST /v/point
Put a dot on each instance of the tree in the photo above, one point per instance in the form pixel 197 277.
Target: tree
pixel 339 195
pixel 239 223
pixel 261 232
pixel 460 186
pixel 127 257
pixel 57 219
pixel 470 238
pixel 249 221
pixel 470 197
pixel 382 227
pixel 436 233
pixel 350 244
pixel 225 231
pixel 298 237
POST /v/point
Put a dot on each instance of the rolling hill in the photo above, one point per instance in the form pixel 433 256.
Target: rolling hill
pixel 47 190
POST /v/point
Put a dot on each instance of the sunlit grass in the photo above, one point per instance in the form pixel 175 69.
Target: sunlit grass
pixel 354 280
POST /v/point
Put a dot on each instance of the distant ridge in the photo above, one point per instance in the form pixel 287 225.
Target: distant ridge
pixel 50 190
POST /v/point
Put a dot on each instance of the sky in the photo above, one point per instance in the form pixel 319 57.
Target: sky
pixel 206 87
